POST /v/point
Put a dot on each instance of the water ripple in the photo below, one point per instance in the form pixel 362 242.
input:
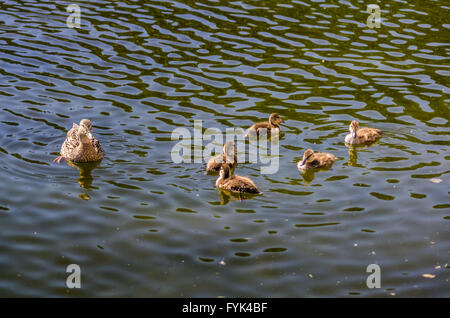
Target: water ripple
pixel 137 221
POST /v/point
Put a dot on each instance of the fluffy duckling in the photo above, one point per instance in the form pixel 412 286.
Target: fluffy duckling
pixel 363 135
pixel 235 183
pixel 80 145
pixel 312 160
pixel 273 123
pixel 229 156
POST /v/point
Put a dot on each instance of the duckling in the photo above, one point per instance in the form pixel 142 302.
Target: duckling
pixel 216 162
pixel 361 135
pixel 80 145
pixel 273 123
pixel 235 183
pixel 312 160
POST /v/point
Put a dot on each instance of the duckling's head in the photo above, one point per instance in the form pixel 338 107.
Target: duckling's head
pixel 354 126
pixel 275 119
pixel 225 171
pixel 307 156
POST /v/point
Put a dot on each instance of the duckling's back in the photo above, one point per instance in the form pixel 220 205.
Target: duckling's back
pixel 241 184
pixel 369 134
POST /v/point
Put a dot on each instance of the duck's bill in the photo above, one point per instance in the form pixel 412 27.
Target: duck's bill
pixel 354 134
pixel 90 135
pixel 304 159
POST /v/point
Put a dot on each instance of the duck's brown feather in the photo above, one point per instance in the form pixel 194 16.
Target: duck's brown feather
pixel 369 134
pixel 216 162
pixel 255 128
pixel 319 160
pixel 365 135
pixel 71 143
pixel 71 148
pixel 239 184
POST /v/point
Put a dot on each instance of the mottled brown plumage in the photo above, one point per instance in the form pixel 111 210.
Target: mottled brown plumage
pixel 273 123
pixel 80 145
pixel 229 156
pixel 313 160
pixel 361 135
pixel 235 183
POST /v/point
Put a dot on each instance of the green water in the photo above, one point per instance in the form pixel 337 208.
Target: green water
pixel 139 224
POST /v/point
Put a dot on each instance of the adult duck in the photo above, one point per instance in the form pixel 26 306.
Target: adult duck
pixel 80 145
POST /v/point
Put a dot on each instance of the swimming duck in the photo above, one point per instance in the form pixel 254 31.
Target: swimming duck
pixel 273 123
pixel 312 160
pixel 80 145
pixel 228 156
pixel 363 135
pixel 235 183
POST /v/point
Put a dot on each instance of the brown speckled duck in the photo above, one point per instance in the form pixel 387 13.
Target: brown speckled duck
pixel 235 183
pixel 363 135
pixel 229 156
pixel 273 123
pixel 313 160
pixel 80 145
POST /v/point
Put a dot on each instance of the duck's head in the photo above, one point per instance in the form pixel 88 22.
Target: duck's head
pixel 86 123
pixel 354 126
pixel 84 135
pixel 225 171
pixel 275 119
pixel 307 156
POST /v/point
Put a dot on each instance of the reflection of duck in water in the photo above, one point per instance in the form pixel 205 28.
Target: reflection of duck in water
pixel 235 183
pixel 229 156
pixel 227 196
pixel 308 175
pixel 361 135
pixel 80 145
pixel 314 160
pixel 85 170
pixel 273 123
pixel 352 156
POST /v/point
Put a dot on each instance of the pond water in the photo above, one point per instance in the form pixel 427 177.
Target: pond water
pixel 140 224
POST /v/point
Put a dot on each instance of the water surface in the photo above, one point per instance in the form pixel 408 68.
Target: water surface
pixel 139 224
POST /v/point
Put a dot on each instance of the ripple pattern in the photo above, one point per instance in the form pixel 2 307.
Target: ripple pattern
pixel 141 225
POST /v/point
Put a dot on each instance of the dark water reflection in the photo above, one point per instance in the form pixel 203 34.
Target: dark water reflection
pixel 142 225
pixel 85 170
